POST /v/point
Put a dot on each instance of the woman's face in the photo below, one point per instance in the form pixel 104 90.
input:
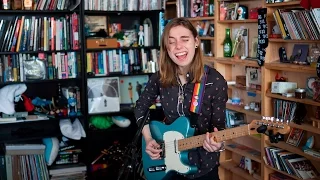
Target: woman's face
pixel 181 46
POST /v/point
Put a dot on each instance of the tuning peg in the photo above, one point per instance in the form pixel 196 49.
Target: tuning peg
pixel 288 121
pixel 272 119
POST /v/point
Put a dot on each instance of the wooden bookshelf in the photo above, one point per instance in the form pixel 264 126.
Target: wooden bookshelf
pixel 304 101
pixel 297 150
pixel 306 127
pixel 290 67
pixel 234 61
pixel 278 40
pixel 248 89
pixel 242 110
pixel 238 21
pixel 237 171
pixel 281 4
pixel 243 151
pixel 201 18
pixel 294 73
pixel 231 67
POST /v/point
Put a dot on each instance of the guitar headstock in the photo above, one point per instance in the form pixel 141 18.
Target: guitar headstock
pixel 269 123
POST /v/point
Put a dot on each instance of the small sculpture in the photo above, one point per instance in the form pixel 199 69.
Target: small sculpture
pixel 309 144
pixel 72 101
pixel 141 36
pixel 242 12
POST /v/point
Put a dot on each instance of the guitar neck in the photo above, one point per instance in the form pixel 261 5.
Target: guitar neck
pixel 197 141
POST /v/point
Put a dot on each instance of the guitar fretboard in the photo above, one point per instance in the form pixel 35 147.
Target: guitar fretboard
pixel 197 141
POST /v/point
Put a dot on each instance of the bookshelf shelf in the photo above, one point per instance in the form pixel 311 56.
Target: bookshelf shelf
pixel 282 172
pixel 279 5
pixel 201 18
pixel 304 101
pixel 238 21
pixel 171 3
pixel 297 150
pixel 37 52
pixel 119 75
pixel 41 81
pixel 290 67
pixel 245 89
pixel 278 40
pixel 234 61
pixel 124 48
pixel 100 13
pixel 242 110
pixel 306 127
pixel 234 168
pixel 206 38
pixel 244 151
pixel 255 137
pixel 36 12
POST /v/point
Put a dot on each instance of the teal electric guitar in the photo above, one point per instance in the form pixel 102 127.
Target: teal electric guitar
pixel 177 138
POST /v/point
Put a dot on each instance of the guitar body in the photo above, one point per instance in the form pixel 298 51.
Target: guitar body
pixel 173 160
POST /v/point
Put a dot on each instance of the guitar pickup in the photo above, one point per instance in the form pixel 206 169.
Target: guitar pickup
pixel 162 153
pixel 157 168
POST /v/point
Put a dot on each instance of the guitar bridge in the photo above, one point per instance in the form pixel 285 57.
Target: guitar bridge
pixel 163 152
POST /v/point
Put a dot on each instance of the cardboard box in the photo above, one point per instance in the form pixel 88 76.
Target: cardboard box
pixel 103 43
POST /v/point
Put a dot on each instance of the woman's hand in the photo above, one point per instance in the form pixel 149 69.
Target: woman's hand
pixel 152 148
pixel 209 144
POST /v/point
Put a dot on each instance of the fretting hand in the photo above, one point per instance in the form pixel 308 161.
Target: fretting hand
pixel 209 144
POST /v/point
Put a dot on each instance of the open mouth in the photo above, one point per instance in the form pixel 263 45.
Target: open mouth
pixel 181 55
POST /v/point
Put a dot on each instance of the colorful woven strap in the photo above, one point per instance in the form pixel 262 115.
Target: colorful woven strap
pixel 198 93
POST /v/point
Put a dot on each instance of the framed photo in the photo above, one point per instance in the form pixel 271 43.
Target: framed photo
pixel 254 47
pixel 295 136
pixel 131 88
pixel 103 95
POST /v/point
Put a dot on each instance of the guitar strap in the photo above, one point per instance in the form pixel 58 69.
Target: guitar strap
pixel 197 97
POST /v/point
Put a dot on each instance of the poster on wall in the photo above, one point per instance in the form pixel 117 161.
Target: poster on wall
pixel 131 88
pixel 103 95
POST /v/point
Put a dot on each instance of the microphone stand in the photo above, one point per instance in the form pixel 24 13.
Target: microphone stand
pixel 131 155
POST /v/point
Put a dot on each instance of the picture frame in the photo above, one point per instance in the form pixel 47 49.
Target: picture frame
pixel 295 136
pixel 103 95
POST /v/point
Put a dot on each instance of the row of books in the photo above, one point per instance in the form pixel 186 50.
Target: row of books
pixel 123 5
pixel 69 172
pixel 38 5
pixel 290 163
pixel 284 109
pixel 23 161
pixel 122 61
pixel 191 8
pixel 31 33
pixel 24 67
pixel 298 24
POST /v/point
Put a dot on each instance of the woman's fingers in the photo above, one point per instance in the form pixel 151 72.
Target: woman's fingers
pixel 153 150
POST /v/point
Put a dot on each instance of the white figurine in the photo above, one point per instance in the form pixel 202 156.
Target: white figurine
pixel 141 34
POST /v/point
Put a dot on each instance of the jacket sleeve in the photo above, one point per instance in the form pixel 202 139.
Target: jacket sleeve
pixel 218 103
pixel 147 97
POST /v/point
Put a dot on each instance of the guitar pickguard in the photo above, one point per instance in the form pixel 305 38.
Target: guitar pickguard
pixel 172 154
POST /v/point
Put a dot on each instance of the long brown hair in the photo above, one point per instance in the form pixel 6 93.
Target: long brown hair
pixel 167 68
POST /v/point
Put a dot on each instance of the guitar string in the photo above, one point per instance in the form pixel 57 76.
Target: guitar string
pixel 173 143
